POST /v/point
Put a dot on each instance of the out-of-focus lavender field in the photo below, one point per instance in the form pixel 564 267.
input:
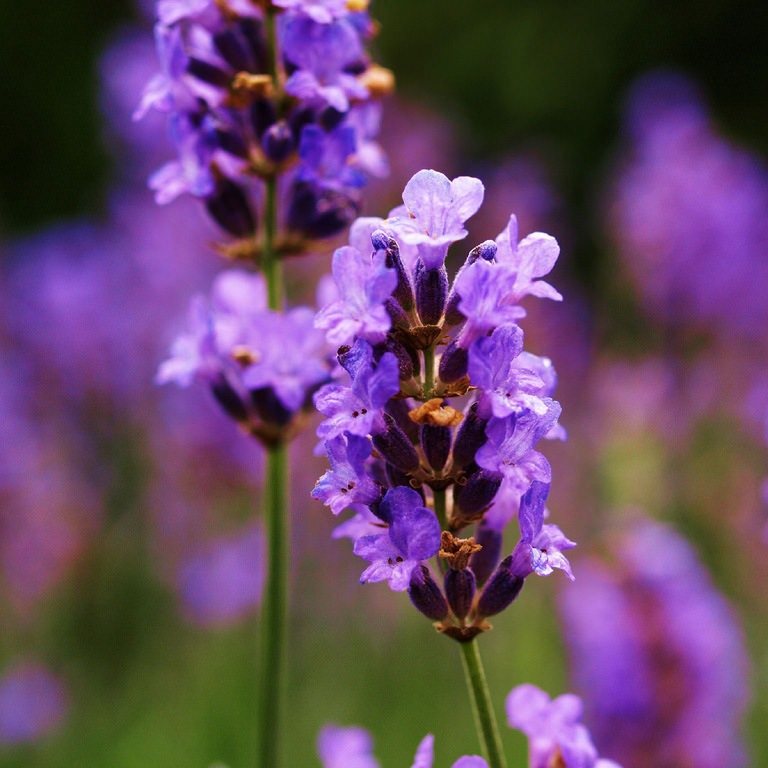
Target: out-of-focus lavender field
pixel 131 543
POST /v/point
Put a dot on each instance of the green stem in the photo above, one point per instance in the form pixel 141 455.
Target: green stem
pixel 270 263
pixel 429 371
pixel 274 612
pixel 439 504
pixel 485 719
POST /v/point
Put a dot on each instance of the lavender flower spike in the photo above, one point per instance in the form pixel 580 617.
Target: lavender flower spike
pixel 556 737
pixel 451 405
pixel 223 84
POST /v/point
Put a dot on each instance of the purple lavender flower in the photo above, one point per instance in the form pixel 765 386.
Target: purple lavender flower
pixel 363 286
pixel 556 735
pixel 346 748
pixel 541 546
pixel 413 536
pixel 433 213
pixel 357 409
pixel 33 702
pixel 320 55
pixel 353 748
pixel 509 447
pixel 346 484
pixel 261 366
pixel 490 291
pixel 658 654
pixel 532 257
pixel 539 550
pixel 448 405
pixel 321 11
pixel 687 213
pixel 233 128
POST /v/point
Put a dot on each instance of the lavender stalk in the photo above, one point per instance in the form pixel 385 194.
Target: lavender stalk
pixel 273 111
pixel 275 611
pixel 482 708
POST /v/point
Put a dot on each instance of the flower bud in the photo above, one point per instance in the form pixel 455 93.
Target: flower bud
pixel 269 407
pixel 277 142
pixel 478 492
pixel 396 313
pixel 403 292
pixel 484 561
pixel 208 73
pixel 502 588
pixel 399 410
pixel 330 118
pixel 486 250
pixel 425 594
pixel 470 438
pixel 460 590
pixel 404 358
pixel 228 398
pixel 319 213
pixel 436 444
pixel 431 292
pixel 233 49
pixel 230 209
pixel 395 447
pixel 263 115
pixel 454 363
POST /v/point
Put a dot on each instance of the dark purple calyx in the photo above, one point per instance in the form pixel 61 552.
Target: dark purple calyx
pixel 501 590
pixel 431 292
pixel 426 596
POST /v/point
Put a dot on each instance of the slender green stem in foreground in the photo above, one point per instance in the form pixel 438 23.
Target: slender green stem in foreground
pixel 429 371
pixel 274 613
pixel 270 261
pixel 485 719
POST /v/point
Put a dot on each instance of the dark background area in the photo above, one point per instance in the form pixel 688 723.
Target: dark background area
pixel 549 75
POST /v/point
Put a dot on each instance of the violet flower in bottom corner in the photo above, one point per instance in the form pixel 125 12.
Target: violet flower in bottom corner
pixel 33 702
pixel 556 737
pixel 352 747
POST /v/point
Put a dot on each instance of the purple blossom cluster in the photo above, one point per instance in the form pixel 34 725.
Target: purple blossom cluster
pixel 688 213
pixel 437 427
pixel 553 727
pixel 262 366
pixel 33 701
pixel 658 654
pixel 260 90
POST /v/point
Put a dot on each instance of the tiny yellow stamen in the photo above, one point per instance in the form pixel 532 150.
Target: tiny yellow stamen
pixel 379 81
pixel 434 413
pixel 246 86
pixel 244 356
